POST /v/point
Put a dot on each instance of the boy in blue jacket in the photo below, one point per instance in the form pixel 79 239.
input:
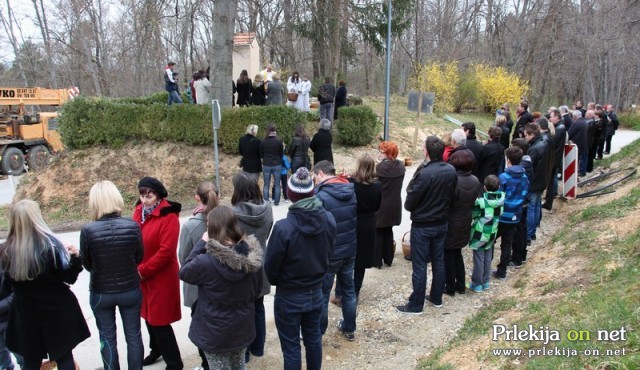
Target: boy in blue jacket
pixel 515 184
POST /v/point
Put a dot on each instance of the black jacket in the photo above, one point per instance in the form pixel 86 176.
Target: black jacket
pixel 430 192
pixel 467 191
pixel 326 93
pixel 271 151
pixel 567 121
pixel 258 94
pixel 578 134
pixel 524 118
pixel 539 153
pixel 559 139
pixel 299 247
pixel 391 175
pixel 321 146
pixel 298 151
pixel 613 124
pixel 111 249
pixel 476 148
pixel 341 97
pixel 492 156
pixel 249 148
pixel 244 92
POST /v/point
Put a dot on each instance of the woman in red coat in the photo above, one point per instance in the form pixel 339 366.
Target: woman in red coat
pixel 158 220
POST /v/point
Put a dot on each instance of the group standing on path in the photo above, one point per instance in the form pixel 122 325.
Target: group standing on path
pixel 336 227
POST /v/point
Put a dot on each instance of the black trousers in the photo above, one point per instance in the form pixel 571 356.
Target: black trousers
pixel 519 245
pixel 65 362
pixel 358 278
pixel 506 232
pixel 204 363
pixel 607 142
pixel 384 246
pixel 162 341
pixel 593 151
pixel 601 142
pixel 454 271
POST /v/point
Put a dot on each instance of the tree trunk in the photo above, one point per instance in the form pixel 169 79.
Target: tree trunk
pixel 224 15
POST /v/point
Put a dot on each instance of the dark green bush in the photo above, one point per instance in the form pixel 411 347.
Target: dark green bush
pixel 357 125
pixel 630 120
pixel 85 122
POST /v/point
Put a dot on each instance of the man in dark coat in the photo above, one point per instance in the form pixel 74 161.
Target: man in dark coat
pixel 578 135
pixel 429 196
pixel 249 149
pixel 592 137
pixel 326 97
pixel 321 143
pixel 339 198
pixel 341 98
pixel 558 142
pixel 473 144
pixel 492 155
pixel 524 117
pixel 296 262
pixel 567 116
pixel 539 153
pixel 611 128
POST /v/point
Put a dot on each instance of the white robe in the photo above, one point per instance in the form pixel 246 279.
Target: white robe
pixel 296 88
pixel 203 91
pixel 303 97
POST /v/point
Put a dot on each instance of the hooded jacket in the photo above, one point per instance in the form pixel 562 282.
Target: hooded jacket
pixel 229 281
pixel 515 184
pixel 300 247
pixel 190 235
pixel 339 198
pixel 391 175
pixel 256 220
pixel 486 214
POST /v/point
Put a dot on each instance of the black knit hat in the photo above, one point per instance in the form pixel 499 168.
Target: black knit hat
pixel 153 184
pixel 300 185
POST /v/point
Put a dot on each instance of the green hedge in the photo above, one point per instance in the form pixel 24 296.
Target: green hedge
pixel 357 125
pixel 86 122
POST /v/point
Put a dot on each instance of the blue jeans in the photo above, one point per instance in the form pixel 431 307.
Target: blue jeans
pixel 583 160
pixel 342 270
pixel 104 310
pixel 296 312
pixel 533 213
pixel 174 97
pixel 267 172
pixel 427 245
pixel 326 111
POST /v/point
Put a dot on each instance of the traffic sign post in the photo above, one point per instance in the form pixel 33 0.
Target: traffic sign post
pixel 570 171
pixel 216 117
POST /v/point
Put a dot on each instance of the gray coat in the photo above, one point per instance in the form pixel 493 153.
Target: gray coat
pixel 257 220
pixel 275 93
pixel 191 232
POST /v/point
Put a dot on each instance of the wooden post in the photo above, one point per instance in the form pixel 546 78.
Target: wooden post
pixel 415 133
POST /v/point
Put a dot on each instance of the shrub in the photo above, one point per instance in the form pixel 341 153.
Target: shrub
pixel 85 122
pixel 357 125
pixel 441 79
pixel 497 86
pixel 630 120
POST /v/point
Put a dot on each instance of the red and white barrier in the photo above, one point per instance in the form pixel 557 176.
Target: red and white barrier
pixel 73 92
pixel 570 171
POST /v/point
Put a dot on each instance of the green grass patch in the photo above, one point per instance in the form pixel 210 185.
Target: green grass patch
pixel 480 323
pixel 627 155
pixel 630 120
pixel 615 209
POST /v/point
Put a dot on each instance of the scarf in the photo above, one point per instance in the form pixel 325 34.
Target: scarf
pixel 147 211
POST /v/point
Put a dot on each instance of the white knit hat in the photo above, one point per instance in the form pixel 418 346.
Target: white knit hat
pixel 300 185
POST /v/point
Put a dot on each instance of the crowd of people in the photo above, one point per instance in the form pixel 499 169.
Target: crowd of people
pixel 337 226
pixel 265 89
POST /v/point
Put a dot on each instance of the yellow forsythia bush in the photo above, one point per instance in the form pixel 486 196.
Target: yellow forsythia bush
pixel 497 86
pixel 439 78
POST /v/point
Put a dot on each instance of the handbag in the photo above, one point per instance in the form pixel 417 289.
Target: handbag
pixel 292 96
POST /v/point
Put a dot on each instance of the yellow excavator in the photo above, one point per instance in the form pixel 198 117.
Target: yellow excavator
pixel 29 134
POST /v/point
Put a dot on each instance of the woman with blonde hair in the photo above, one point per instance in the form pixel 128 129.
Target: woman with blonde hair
pixel 45 320
pixel 228 273
pixel 111 251
pixel 258 93
pixel 369 194
pixel 192 231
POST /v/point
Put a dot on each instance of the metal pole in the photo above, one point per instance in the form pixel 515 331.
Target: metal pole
pixel 388 82
pixel 215 123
